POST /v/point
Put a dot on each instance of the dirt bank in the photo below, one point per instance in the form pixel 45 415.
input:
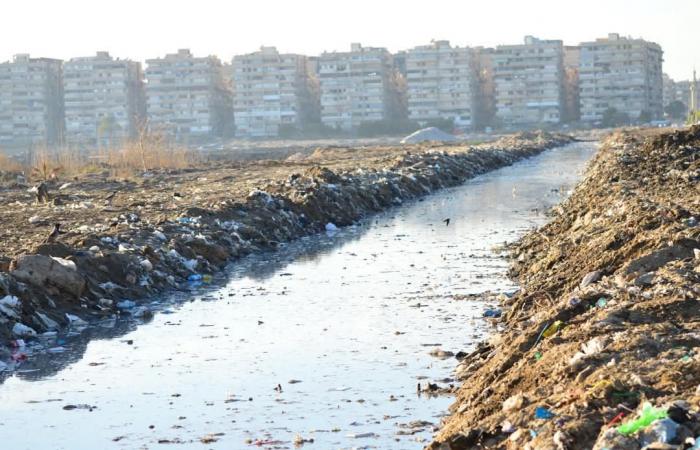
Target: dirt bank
pixel 607 319
pixel 127 240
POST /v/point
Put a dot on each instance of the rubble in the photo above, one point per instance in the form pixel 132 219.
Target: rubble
pixel 616 268
pixel 147 240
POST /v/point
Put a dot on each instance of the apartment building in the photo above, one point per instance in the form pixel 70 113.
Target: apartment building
pixel 31 102
pixel 623 74
pixel 529 83
pixel 669 93
pixel 442 83
pixel 360 86
pixel 274 93
pixel 188 97
pixel 104 100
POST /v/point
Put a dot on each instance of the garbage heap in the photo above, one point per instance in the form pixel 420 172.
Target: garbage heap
pixel 600 349
pixel 102 272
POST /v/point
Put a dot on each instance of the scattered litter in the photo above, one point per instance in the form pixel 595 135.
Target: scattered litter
pixel 543 413
pixel 646 417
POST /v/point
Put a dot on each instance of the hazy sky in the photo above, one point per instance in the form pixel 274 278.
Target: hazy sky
pixel 141 29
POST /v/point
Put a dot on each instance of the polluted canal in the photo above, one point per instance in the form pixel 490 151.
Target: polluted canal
pixel 324 339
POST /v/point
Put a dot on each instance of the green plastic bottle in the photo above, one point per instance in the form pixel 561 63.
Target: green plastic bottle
pixel 648 416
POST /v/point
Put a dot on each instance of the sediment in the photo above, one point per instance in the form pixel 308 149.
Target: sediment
pixel 169 230
pixel 607 318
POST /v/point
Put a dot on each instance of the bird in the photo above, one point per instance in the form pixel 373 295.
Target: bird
pixel 42 193
pixel 109 198
pixel 447 222
pixel 51 238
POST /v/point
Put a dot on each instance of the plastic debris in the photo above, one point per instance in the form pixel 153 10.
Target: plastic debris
pixel 126 304
pixel 648 415
pixel 23 331
pixel 543 413
pixel 331 227
pixel 9 306
pixel 514 402
pixel 493 312
pixel 147 265
pixel 75 320
pixel 590 278
pixel 663 431
pixel 552 329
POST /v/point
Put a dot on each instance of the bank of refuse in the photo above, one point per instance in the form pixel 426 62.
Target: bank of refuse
pixel 600 348
pixel 142 249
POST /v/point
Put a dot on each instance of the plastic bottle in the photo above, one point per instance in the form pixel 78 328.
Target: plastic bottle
pixel 194 277
pixel 553 328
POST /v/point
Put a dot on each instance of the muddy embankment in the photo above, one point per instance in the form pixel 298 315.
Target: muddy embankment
pixel 605 330
pixel 114 256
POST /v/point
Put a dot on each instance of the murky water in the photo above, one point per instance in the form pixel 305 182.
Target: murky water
pixel 343 323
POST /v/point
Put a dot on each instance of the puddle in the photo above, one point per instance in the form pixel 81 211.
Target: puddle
pixel 342 323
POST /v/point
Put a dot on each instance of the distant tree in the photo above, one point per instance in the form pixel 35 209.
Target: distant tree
pixel 645 116
pixel 287 131
pixel 614 118
pixel 676 109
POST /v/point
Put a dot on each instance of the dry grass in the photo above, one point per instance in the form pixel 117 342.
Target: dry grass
pixel 128 161
pixel 141 157
pixel 8 164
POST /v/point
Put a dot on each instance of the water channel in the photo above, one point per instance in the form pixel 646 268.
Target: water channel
pixel 342 322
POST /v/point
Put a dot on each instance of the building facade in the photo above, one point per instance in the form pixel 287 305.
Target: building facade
pixel 442 83
pixel 104 100
pixel 359 87
pixel 188 97
pixel 274 94
pixel 621 74
pixel 529 83
pixel 31 102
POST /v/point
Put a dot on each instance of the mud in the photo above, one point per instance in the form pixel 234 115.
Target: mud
pixel 128 240
pixel 607 318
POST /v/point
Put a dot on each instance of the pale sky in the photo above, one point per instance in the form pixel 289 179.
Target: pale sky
pixel 141 29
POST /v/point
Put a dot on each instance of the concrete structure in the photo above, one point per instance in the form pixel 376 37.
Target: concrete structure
pixel 669 91
pixel 529 83
pixel 188 97
pixel 104 100
pixel 31 102
pixel 273 93
pixel 359 86
pixel 623 74
pixel 442 83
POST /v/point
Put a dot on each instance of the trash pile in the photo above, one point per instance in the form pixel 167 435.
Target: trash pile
pixel 430 134
pixel 97 271
pixel 600 349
